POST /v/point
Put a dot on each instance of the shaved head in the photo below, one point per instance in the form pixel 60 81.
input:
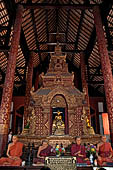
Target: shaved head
pixel 15 138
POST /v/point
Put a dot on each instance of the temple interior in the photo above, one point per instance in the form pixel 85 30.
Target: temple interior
pixel 56 71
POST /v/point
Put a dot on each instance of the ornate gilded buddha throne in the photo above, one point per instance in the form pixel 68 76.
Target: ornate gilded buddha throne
pixel 57 109
pixel 57 101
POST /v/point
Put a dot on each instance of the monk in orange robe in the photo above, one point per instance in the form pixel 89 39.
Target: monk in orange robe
pixel 104 152
pixel 14 152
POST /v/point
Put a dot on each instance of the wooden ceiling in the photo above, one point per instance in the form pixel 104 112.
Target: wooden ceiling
pixel 42 19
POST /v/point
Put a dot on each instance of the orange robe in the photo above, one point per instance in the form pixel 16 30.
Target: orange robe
pixel 14 151
pixel 105 151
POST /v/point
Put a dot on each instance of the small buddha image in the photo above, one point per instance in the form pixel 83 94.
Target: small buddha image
pixel 58 126
pixel 87 128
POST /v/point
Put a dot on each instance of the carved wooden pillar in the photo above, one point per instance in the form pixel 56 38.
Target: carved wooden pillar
pixel 28 87
pixel 9 81
pixel 105 65
pixel 84 82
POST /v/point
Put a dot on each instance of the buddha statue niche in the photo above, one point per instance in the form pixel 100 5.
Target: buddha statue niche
pixel 58 126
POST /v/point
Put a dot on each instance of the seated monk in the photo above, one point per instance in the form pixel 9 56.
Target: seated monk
pixel 78 151
pixel 43 151
pixel 104 152
pixel 14 152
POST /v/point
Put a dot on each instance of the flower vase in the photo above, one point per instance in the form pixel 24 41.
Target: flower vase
pixel 91 158
pixel 57 155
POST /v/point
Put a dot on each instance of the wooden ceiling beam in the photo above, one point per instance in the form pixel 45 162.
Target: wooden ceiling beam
pixel 47 31
pixel 86 2
pixel 89 50
pixel 67 26
pixel 90 45
pixel 56 6
pixel 41 65
pixel 104 13
pixel 79 30
pixel 63 51
pixel 6 49
pixel 54 33
pixel 57 20
pixel 91 42
pixel 35 33
pixel 78 33
pixel 55 43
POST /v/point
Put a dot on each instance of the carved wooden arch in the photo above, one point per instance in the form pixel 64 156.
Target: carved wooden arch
pixel 58 91
pixel 58 101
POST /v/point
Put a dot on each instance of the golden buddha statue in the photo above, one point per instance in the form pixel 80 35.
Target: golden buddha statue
pixel 87 128
pixel 58 126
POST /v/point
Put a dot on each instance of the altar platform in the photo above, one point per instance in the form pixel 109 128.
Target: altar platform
pixel 66 140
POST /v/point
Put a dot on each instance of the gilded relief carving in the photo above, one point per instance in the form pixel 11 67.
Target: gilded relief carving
pixel 58 101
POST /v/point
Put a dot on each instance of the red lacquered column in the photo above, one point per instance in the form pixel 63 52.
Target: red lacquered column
pixel 105 66
pixel 28 87
pixel 9 80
